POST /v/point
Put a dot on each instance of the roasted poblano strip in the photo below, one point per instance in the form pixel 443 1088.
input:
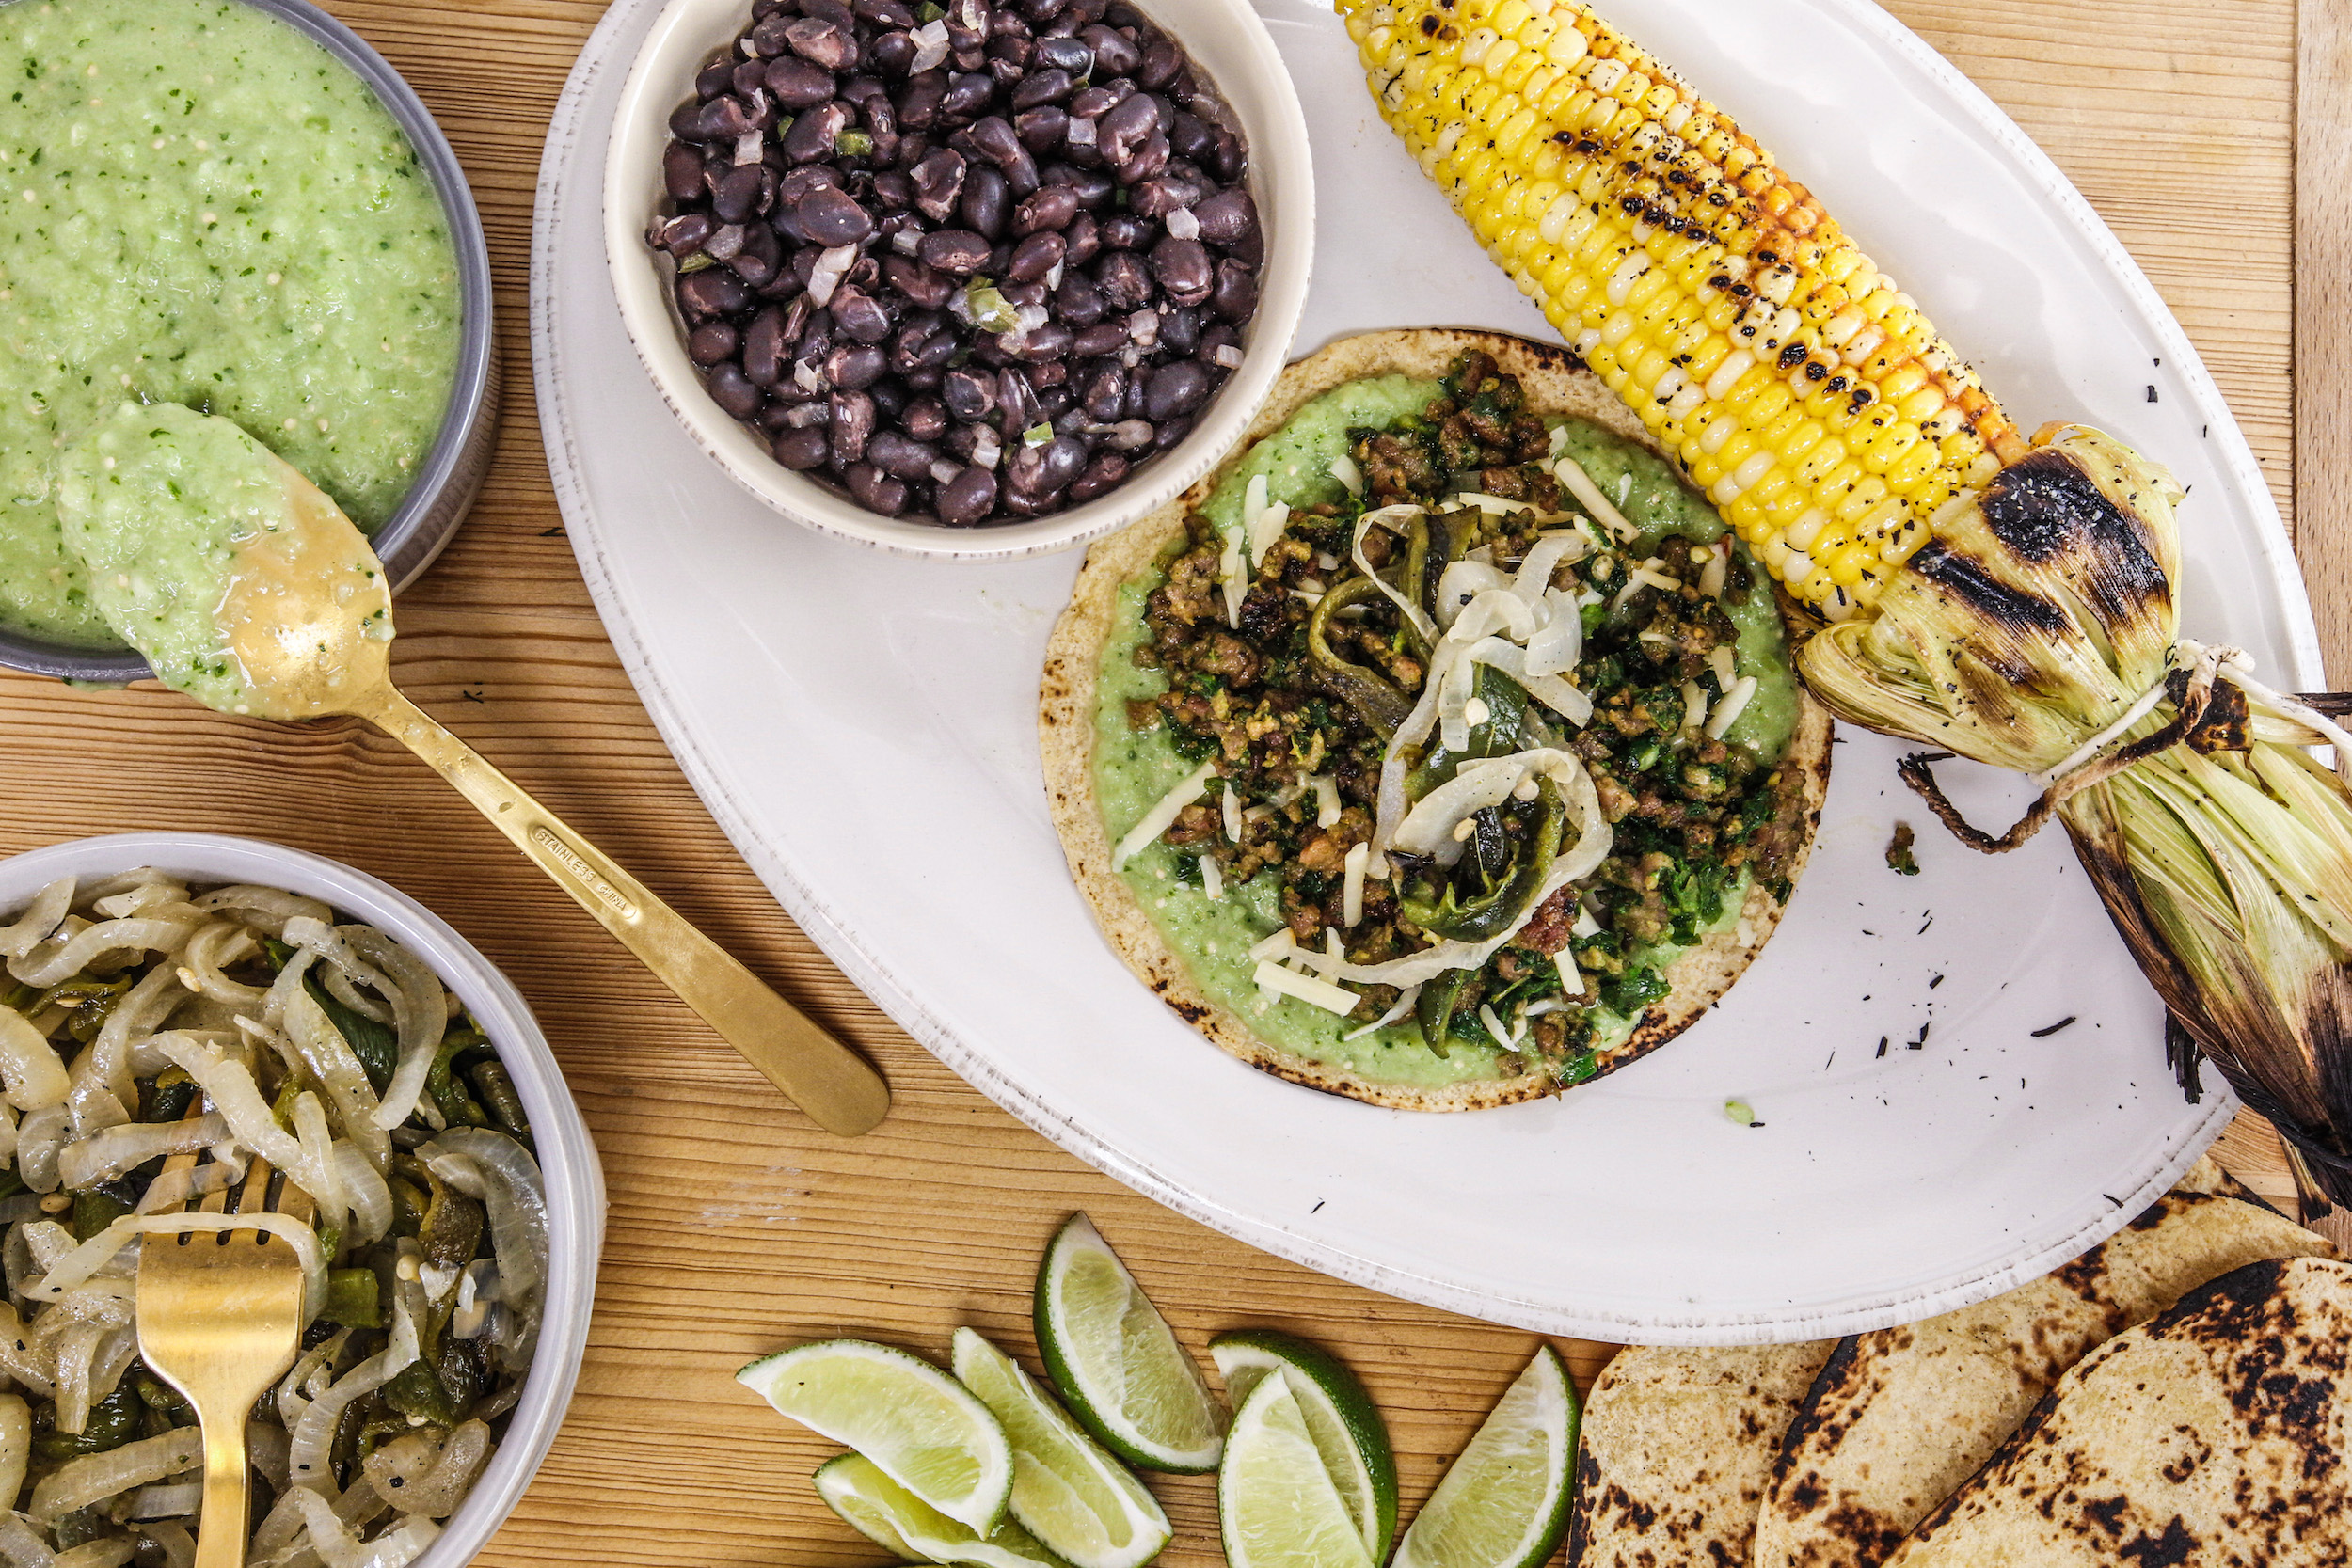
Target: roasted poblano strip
pixel 2009 601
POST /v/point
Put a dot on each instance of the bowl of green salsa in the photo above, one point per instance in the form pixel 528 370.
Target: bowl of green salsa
pixel 236 205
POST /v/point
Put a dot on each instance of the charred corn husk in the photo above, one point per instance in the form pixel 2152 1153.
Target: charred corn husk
pixel 2012 602
pixel 1797 384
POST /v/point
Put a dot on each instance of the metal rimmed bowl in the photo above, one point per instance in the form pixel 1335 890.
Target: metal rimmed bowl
pixel 1230 45
pixel 566 1154
pixel 454 471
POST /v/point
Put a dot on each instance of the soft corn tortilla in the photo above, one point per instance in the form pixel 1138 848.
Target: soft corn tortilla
pixel 1676 1448
pixel 1899 1420
pixel 1555 383
pixel 2214 1434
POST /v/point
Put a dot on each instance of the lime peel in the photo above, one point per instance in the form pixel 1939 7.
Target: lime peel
pixel 1505 1502
pixel 1345 1423
pixel 897 1520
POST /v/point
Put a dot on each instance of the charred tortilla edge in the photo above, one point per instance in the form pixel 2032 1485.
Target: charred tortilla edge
pixel 1556 383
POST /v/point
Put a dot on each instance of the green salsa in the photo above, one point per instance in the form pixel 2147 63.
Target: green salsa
pixel 199 205
pixel 1135 767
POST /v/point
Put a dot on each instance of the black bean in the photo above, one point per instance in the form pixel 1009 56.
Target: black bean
pixel 925 418
pixel 823 44
pixel 1099 477
pixel 1174 389
pixel 799 181
pixel 764 347
pixel 984 202
pixel 1183 268
pixel 1145 162
pixel 890 396
pixel 1171 432
pixel 1127 127
pixel 1179 331
pixel 1125 283
pixel 798 84
pixel 714 79
pixel 1050 208
pixel 681 171
pixel 1016 402
pixel 1134 409
pixel 1126 232
pixel 1036 256
pixel 893 190
pixel 830 217
pixel 1041 11
pixel 1161 62
pixel 1078 301
pixel 1219 335
pixel 804 450
pixel 852 426
pixel 1114 54
pixel 970 395
pixel 1049 85
pixel 1107 391
pixel 1041 128
pixel 712 291
pixel 955 250
pixel 1158 197
pixel 1011 49
pixel 972 61
pixel 918 283
pixel 725 242
pixel 875 492
pixel 938 183
pixel 1047 343
pixel 1037 472
pixel 891 54
pixel 1001 145
pixel 1236 297
pixel 859 315
pixel 1068 55
pixel 1051 372
pixel 732 391
pixel 816 131
pixel 711 342
pixel 761 256
pixel 853 367
pixel 967 94
pixel 919 99
pixel 686 235
pixel 1191 139
pixel 884 13
pixel 1228 217
pixel 1085 237
pixel 968 498
pixel 895 454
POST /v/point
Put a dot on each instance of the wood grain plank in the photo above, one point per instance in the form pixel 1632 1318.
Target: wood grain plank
pixel 2322 319
pixel 735 1227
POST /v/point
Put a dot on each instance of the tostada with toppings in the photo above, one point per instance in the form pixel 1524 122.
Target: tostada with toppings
pixel 1442 748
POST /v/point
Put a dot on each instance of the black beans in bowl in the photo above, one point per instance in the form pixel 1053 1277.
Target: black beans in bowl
pixel 976 265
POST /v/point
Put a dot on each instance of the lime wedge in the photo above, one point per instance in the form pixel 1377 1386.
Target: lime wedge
pixel 1066 1491
pixel 1118 1363
pixel 1504 1504
pixel 919 1426
pixel 1276 1504
pixel 897 1520
pixel 1340 1417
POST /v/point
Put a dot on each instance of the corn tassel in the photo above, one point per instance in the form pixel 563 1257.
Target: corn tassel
pixel 2013 603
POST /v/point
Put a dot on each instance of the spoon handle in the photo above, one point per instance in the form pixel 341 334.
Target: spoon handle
pixel 836 1087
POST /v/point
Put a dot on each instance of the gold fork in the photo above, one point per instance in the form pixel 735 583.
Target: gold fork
pixel 220 1319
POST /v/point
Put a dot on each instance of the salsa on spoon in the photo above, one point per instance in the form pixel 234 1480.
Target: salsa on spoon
pixel 247 589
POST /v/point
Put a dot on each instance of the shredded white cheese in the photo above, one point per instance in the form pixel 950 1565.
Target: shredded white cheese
pixel 1721 660
pixel 1498 506
pixel 1232 816
pixel 1281 943
pixel 1344 470
pixel 1352 889
pixel 1404 1005
pixel 1158 819
pixel 1321 994
pixel 1326 798
pixel 1711 575
pixel 1735 703
pixel 1693 705
pixel 1502 1036
pixel 1581 485
pixel 1211 880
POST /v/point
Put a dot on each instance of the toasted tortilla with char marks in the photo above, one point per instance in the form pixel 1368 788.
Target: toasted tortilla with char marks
pixel 1555 384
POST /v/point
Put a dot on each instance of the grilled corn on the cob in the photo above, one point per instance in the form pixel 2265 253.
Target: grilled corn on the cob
pixel 2017 604
pixel 1798 386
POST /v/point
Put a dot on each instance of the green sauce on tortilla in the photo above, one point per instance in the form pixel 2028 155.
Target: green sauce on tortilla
pixel 1134 770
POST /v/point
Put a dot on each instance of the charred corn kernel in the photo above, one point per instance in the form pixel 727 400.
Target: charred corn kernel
pixel 1798 384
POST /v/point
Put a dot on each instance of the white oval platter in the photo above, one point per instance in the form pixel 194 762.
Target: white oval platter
pixel 863 728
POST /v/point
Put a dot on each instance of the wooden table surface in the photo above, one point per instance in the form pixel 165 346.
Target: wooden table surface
pixel 736 1226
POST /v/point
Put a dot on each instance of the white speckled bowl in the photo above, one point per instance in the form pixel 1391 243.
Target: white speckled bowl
pixel 459 459
pixel 1225 38
pixel 567 1156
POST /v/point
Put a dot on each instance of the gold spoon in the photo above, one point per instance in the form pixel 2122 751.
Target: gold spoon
pixel 191 528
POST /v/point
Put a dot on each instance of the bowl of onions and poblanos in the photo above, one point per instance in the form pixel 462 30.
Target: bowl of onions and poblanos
pixel 179 994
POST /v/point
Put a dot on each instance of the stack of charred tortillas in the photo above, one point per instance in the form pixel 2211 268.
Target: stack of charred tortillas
pixel 2030 1429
